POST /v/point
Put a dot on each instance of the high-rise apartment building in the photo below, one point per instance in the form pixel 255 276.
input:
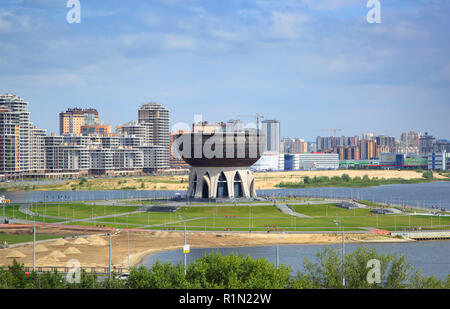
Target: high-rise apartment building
pixel 155 117
pixel 293 145
pixel 9 141
pixel 369 149
pixel 271 129
pixel 388 142
pixel 22 142
pixel 426 143
pixel 71 121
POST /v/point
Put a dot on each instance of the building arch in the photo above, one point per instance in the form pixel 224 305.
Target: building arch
pixel 194 184
pixel 206 187
pixel 222 186
pixel 237 185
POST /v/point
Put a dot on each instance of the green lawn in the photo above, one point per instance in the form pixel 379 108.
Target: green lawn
pixel 20 238
pixel 80 210
pixel 262 218
pixel 13 212
pixel 323 217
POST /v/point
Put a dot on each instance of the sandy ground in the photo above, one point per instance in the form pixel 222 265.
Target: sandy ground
pixel 180 182
pixel 95 252
pixel 269 180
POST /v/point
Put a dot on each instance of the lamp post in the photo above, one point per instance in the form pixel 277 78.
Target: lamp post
pixel 34 246
pixel 343 253
pixel 110 236
pixel 278 250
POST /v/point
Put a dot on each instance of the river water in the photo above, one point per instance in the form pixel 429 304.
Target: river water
pixel 433 257
pixel 421 195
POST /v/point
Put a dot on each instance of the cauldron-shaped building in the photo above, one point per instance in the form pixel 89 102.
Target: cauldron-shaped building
pixel 220 162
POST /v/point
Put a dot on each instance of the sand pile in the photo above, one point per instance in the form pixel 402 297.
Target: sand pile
pixel 15 254
pixel 57 254
pixel 161 234
pixel 59 242
pixel 72 250
pixel 48 261
pixel 97 241
pixel 81 241
pixel 41 248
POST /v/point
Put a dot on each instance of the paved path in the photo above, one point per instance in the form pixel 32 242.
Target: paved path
pixel 284 208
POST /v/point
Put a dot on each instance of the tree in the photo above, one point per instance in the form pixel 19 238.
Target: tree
pixel 346 177
pixel 395 272
pixel 236 272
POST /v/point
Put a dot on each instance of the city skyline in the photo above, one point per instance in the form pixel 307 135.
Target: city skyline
pixel 176 126
pixel 304 63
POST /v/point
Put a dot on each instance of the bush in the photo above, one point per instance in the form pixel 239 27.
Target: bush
pixel 428 175
pixel 346 177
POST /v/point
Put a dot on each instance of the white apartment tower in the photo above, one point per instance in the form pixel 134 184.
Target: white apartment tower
pixel 16 118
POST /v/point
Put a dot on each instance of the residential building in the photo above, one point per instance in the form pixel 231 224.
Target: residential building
pixel 71 121
pixel 426 143
pixel 22 142
pixel 293 145
pixel 156 118
pixel 271 129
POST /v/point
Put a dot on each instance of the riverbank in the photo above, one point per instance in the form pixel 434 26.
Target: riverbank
pixel 93 251
pixel 264 181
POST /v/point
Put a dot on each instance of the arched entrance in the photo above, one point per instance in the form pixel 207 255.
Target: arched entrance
pixel 222 186
pixel 194 185
pixel 206 185
pixel 237 185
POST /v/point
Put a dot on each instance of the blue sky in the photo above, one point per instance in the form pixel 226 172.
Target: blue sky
pixel 312 64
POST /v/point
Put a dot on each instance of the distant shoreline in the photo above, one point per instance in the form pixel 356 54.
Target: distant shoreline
pixel 264 181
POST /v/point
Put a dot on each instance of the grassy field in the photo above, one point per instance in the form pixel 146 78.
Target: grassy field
pixel 80 210
pixel 321 217
pixel 20 238
pixel 12 212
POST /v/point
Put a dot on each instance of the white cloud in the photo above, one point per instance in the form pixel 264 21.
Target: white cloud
pixel 288 25
pixel 176 42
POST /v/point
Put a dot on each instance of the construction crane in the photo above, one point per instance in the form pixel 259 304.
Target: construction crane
pixel 257 116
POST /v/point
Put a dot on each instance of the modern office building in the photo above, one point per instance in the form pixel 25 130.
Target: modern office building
pixel 271 129
pixel 269 161
pixel 71 121
pixel 441 146
pixel 318 161
pixel 439 161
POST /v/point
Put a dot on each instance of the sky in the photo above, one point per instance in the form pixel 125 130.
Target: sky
pixel 314 65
